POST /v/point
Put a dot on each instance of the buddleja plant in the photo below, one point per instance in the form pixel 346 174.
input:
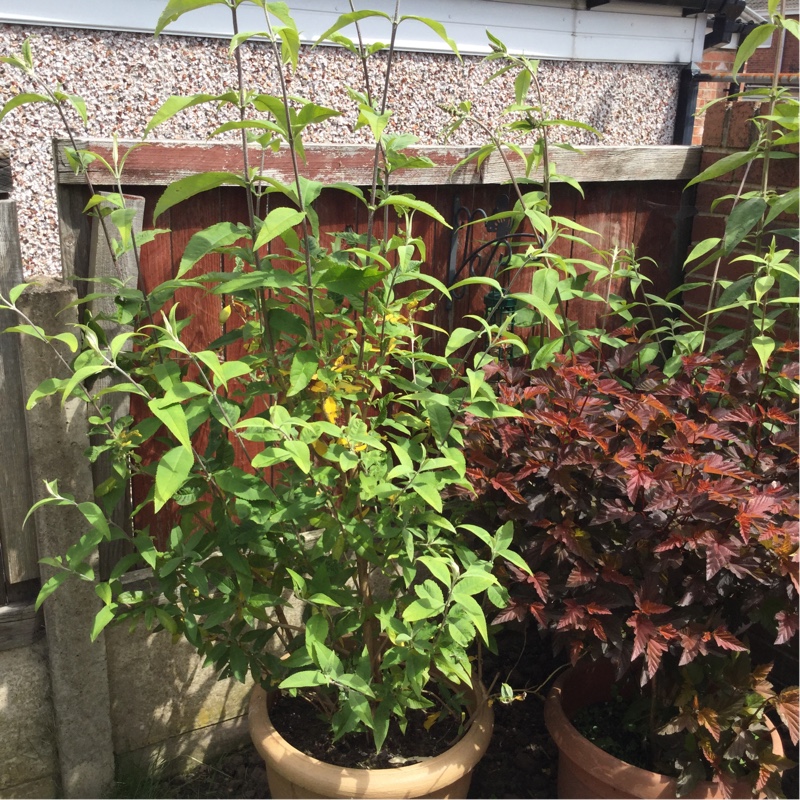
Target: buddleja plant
pixel 332 389
pixel 756 307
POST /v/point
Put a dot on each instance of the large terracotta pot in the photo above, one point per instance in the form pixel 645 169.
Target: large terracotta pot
pixel 292 773
pixel 586 771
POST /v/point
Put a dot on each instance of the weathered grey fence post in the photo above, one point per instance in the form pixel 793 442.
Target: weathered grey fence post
pixel 57 439
pixel 17 546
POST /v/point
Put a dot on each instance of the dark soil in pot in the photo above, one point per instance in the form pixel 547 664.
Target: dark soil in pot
pixel 299 723
pixel 520 762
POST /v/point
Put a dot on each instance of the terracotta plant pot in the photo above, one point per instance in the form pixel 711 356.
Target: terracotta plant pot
pixel 292 773
pixel 586 771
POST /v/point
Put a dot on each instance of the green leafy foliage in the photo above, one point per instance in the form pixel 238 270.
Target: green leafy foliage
pixel 311 474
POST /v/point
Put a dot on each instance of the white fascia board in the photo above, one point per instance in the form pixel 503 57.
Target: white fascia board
pixel 555 29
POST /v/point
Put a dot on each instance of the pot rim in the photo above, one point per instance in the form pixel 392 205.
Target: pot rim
pixel 438 771
pixel 637 781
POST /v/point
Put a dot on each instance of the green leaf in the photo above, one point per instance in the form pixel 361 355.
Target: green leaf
pixel 762 285
pixel 377 122
pixel 173 469
pixel 300 454
pixel 474 612
pixel 741 221
pixel 208 241
pixel 348 19
pixel 103 591
pixel 23 99
pixel 174 417
pixel 177 8
pixel 276 224
pixel 477 280
pixel 50 586
pixel 438 567
pixel 94 515
pixel 404 201
pixel 458 338
pixel 304 365
pixel 438 29
pixel 473 582
pixel 440 420
pixel 752 42
pixel 764 346
pixel 429 604
pixel 721 167
pixel 304 679
pixel 702 248
pixel 188 187
pixel 430 494
pixel 349 280
pixel 174 105
pixel 546 309
pixel 102 618
pixel 733 292
pixel 522 83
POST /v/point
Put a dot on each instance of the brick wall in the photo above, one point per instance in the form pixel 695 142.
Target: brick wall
pixel 714 61
pixel 728 128
pixel 763 60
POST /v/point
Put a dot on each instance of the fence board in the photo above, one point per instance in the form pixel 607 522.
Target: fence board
pixel 613 204
pixel 159 163
pixel 18 545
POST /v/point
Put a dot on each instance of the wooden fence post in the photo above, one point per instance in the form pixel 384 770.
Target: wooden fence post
pixel 18 558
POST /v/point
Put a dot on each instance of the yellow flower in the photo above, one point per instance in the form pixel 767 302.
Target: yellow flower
pixel 320 448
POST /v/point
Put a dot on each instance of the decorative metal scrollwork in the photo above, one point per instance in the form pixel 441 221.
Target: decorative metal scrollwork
pixel 486 259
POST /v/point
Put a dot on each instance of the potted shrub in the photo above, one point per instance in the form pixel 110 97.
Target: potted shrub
pixel 657 506
pixel 303 454
pixel 659 519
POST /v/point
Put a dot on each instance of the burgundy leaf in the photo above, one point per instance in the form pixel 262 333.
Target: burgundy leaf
pixel 787 707
pixel 581 574
pixel 505 482
pixel 537 609
pixel 655 649
pixel 715 464
pixel 513 612
pixel 726 640
pixel 787 626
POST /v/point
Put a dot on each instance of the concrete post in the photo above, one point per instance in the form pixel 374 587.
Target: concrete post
pixel 57 439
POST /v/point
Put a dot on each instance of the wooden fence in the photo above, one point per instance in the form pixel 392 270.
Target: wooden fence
pixel 633 195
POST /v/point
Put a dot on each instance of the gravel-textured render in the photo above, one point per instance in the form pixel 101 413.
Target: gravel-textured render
pixel 124 78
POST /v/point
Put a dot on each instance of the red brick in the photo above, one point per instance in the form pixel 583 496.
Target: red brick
pixel 714 125
pixel 741 130
pixel 782 173
pixel 711 157
pixel 707 193
pixel 706 226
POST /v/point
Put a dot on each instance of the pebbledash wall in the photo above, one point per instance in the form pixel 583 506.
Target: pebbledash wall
pixel 619 72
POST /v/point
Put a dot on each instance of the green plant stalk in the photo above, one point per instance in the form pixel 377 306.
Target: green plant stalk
pixel 712 291
pixel 373 194
pixel 312 316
